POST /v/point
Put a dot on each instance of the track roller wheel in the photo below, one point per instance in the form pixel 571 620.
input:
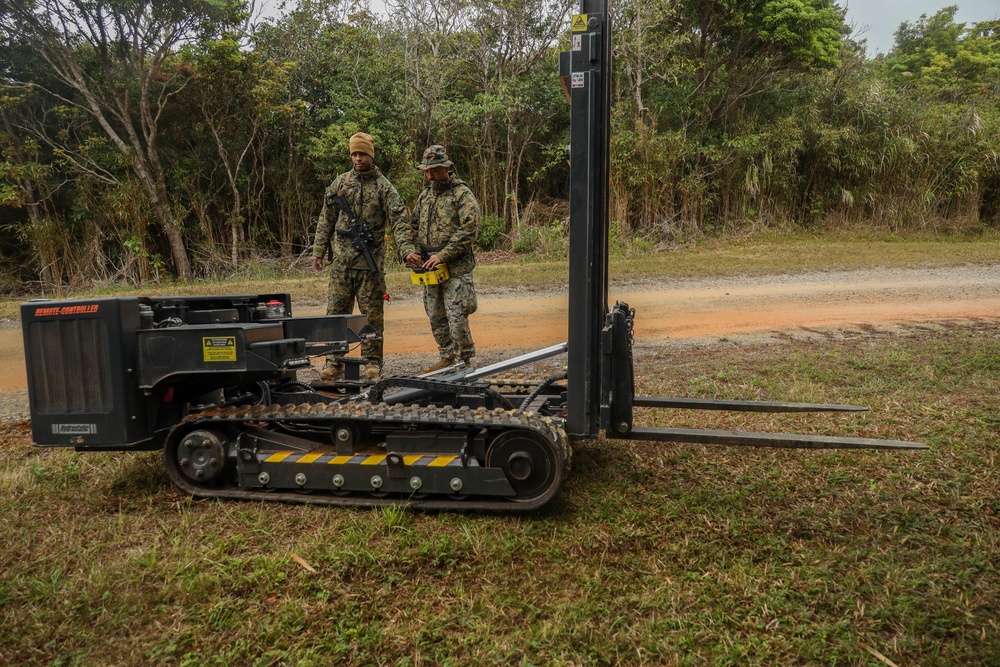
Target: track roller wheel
pixel 528 460
pixel 345 436
pixel 198 456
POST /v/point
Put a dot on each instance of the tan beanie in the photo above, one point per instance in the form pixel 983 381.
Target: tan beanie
pixel 362 143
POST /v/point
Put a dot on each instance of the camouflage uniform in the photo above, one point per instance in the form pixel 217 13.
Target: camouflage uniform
pixel 444 222
pixel 374 200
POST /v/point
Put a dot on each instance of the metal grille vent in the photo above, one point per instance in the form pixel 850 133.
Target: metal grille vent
pixel 70 366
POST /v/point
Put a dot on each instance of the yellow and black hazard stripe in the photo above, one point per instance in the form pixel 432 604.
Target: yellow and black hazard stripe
pixel 321 457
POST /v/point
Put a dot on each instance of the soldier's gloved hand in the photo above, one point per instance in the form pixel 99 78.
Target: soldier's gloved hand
pixel 317 263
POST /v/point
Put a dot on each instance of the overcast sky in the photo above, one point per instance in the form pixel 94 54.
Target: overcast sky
pixel 875 20
pixel 882 17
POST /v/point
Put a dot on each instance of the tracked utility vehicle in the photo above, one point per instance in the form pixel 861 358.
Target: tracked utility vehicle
pixel 214 381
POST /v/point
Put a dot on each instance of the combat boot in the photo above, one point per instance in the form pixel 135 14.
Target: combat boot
pixel 470 362
pixel 442 363
pixel 371 373
pixel 331 373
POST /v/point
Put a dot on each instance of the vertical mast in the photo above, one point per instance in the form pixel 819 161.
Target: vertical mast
pixel 589 72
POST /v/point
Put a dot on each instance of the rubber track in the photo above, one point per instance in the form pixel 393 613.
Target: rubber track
pixel 378 414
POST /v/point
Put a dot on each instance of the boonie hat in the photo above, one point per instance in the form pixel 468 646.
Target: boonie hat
pixel 435 156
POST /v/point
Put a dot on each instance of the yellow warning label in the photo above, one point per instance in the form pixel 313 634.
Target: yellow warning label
pixel 219 348
pixel 579 22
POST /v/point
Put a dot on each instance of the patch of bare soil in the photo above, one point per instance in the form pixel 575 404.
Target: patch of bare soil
pixel 15 435
pixel 827 304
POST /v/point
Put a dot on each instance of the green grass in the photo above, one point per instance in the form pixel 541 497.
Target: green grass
pixel 654 554
pixel 759 254
pixel 764 254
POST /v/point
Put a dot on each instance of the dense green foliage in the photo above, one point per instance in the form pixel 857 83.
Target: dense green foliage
pixel 140 140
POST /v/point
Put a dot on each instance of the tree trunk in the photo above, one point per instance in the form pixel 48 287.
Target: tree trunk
pixel 234 255
pixel 165 219
pixel 178 253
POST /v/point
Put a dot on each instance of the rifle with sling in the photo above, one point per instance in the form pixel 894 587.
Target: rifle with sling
pixel 359 233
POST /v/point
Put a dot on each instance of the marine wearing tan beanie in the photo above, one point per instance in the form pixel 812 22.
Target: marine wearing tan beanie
pixel 363 143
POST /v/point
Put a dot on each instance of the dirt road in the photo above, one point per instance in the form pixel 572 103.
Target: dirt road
pixel 690 310
pixel 732 307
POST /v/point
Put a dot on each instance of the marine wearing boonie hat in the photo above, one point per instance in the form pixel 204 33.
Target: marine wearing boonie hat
pixel 435 156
